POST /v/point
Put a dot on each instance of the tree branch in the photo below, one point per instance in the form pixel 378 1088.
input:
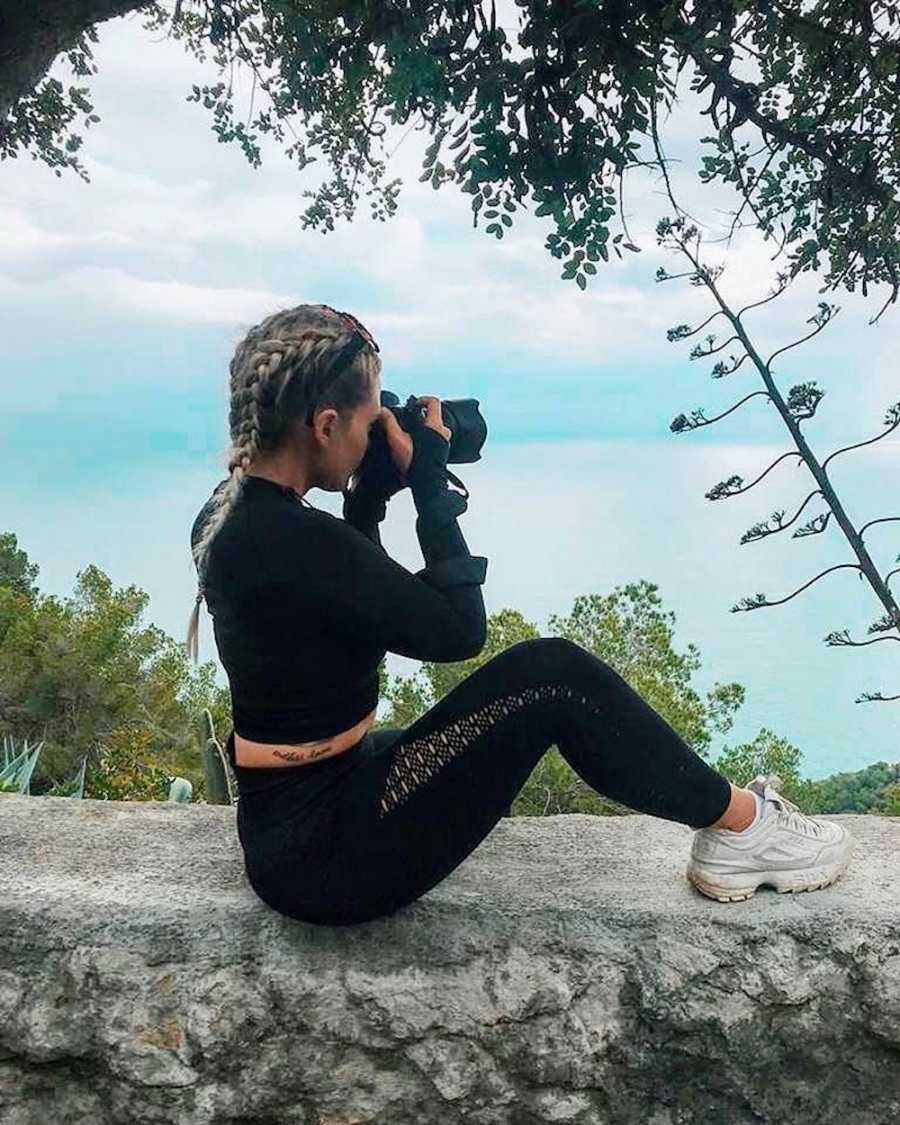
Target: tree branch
pixel 743 96
pixel 681 423
pixel 783 278
pixel 668 228
pixel 871 523
pixel 683 331
pixel 759 601
pixel 815 526
pixel 698 353
pixel 875 697
pixel 657 145
pixel 760 530
pixel 820 324
pixel 746 488
pixel 842 639
pixel 860 444
pixel 33 34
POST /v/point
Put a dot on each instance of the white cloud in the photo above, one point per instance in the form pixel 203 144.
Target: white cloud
pixel 21 240
pixel 168 300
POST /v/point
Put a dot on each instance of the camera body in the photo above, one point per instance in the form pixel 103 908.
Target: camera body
pixel 468 429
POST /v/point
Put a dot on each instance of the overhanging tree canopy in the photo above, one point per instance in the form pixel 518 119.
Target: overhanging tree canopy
pixel 803 111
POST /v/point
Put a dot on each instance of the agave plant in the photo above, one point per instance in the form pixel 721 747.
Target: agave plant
pixel 18 766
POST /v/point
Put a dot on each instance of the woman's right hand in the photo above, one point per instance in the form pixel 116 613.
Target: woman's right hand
pixel 400 442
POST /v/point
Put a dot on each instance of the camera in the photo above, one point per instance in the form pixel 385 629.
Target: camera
pixel 461 416
pixel 378 474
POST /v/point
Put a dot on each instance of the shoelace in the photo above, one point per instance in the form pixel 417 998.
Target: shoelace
pixel 800 823
pixel 788 813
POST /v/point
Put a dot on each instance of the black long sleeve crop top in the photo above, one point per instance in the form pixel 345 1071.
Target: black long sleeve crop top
pixel 305 605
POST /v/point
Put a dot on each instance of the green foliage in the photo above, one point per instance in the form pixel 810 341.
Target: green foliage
pixel 889 804
pixel 77 673
pixel 768 753
pixel 122 769
pixel 631 632
pixel 17 574
pixel 40 120
pixel 875 789
pixel 18 765
pixel 553 787
pixel 866 790
pixel 86 678
pixel 408 697
pixel 64 789
pixel 556 128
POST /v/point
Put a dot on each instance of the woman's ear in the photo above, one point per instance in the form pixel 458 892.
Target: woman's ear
pixel 327 421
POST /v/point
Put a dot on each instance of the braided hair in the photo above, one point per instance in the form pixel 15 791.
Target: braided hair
pixel 277 372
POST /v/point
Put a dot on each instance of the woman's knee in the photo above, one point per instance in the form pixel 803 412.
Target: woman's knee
pixel 541 660
pixel 533 662
pixel 558 658
pixel 552 653
pixel 560 647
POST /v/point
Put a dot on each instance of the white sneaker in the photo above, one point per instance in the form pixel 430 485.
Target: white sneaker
pixel 783 849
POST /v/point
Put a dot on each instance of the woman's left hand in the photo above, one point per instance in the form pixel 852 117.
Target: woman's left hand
pixel 399 441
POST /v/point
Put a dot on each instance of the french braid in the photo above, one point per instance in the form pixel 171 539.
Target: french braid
pixel 276 372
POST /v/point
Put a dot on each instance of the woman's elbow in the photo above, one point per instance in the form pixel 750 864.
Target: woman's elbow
pixel 470 644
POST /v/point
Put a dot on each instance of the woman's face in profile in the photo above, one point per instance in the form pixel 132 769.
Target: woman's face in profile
pixel 362 421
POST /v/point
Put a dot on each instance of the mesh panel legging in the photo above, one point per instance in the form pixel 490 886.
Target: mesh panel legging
pixel 359 835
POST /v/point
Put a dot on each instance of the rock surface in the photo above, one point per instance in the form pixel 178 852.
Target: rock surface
pixel 566 972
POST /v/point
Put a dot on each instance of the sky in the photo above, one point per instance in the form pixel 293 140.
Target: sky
pixel 123 300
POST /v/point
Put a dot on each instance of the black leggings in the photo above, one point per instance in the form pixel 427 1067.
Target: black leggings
pixel 356 836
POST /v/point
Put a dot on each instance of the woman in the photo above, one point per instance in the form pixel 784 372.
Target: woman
pixel 340 823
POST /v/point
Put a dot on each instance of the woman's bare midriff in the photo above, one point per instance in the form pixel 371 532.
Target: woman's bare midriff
pixel 268 754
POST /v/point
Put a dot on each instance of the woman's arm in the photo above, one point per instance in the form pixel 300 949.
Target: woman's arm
pixel 436 614
pixel 365 514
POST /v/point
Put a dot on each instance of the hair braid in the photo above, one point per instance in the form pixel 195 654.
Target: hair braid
pixel 275 374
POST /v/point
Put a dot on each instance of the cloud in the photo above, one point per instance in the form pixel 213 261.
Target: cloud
pixel 22 239
pixel 168 300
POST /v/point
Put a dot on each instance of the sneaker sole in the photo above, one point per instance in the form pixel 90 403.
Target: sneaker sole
pixel 784 882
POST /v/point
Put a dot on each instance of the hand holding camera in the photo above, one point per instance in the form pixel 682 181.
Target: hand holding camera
pixel 400 441
pixel 402 451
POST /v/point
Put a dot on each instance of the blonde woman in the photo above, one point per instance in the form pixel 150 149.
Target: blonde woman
pixel 340 823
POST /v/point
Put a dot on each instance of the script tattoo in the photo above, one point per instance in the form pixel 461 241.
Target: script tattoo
pixel 309 755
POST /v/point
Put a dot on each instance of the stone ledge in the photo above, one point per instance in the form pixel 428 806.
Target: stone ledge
pixel 566 972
